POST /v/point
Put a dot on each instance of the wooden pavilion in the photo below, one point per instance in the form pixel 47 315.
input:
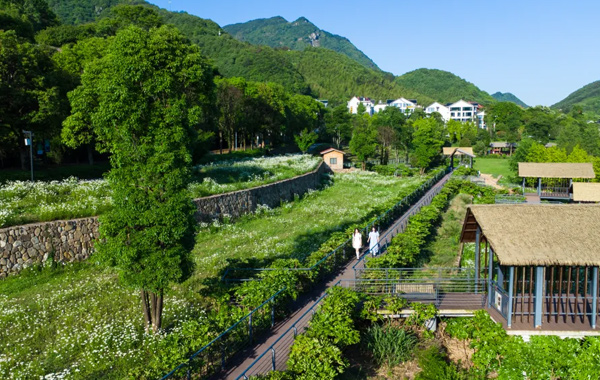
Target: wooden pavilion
pixel 461 152
pixel 540 263
pixel 554 180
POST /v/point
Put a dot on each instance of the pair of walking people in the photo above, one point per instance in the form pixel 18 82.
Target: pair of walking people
pixel 372 240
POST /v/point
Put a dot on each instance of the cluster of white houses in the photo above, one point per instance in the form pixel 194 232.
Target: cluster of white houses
pixel 460 111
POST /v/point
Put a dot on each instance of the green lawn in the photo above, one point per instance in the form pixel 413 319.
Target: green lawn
pixel 493 166
pixel 80 322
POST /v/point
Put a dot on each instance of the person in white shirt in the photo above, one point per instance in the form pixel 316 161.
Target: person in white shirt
pixel 373 241
pixel 357 242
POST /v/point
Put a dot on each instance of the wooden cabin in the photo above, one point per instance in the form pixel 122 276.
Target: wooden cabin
pixel 540 264
pixel 459 152
pixel 333 158
pixel 553 180
pixel 502 148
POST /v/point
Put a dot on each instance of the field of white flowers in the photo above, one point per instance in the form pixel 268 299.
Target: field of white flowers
pixel 24 202
pixel 226 176
pixel 27 202
pixel 78 322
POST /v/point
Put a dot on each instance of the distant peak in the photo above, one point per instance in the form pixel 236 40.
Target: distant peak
pixel 302 20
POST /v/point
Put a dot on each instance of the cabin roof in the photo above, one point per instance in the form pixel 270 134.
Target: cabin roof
pixel 586 191
pixel 556 170
pixel 332 150
pixel 544 235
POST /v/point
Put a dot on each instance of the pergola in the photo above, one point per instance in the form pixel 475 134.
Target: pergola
pixel 558 177
pixel 459 152
pixel 540 261
pixel 586 192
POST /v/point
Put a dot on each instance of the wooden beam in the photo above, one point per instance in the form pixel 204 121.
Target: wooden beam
pixel 511 280
pixel 594 296
pixel 477 257
pixel 561 305
pixel 551 291
pixel 539 293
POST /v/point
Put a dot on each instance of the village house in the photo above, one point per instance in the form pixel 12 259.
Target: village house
pixel 356 101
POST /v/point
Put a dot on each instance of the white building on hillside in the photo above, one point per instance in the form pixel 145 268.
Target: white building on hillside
pixel 356 101
pixel 380 106
pixel 439 108
pixel 406 105
pixel 481 120
pixel 463 111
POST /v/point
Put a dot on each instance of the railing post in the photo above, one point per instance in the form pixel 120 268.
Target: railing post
pixel 273 312
pixel 594 296
pixel 250 327
pixel 295 331
pixel 273 357
pixel 539 290
pixel 511 279
pixel 189 372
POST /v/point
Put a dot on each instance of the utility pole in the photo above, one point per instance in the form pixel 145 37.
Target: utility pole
pixel 29 141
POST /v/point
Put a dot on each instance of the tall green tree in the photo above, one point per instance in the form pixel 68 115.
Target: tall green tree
pixel 144 100
pixel 338 125
pixel 427 143
pixel 364 139
pixel 305 139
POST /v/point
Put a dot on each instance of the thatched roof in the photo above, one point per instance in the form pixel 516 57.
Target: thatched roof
pixel 556 170
pixel 586 192
pixel 502 144
pixel 449 150
pixel 522 234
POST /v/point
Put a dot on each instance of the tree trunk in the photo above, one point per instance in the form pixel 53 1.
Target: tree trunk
pixel 90 153
pixel 220 142
pixel 152 307
pixel 364 165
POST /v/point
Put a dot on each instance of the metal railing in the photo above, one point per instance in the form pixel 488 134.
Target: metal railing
pixel 212 357
pixel 275 357
pixel 413 273
pixel 509 199
pixel 444 293
pixel 384 220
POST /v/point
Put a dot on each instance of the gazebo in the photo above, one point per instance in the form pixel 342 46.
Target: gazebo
pixel 540 262
pixel 459 152
pixel 554 180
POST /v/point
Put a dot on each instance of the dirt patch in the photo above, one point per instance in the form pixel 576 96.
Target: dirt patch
pixel 491 181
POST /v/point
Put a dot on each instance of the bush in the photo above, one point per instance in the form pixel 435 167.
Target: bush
pixel 435 367
pixel 389 344
pixel 315 359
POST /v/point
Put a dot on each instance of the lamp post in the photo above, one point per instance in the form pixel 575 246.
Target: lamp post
pixel 29 142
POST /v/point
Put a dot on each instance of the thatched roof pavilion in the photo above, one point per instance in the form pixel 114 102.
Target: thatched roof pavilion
pixel 556 170
pixel 586 192
pixel 558 177
pixel 459 152
pixel 542 260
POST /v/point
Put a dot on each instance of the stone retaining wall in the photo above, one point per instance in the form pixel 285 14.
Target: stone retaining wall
pixel 72 240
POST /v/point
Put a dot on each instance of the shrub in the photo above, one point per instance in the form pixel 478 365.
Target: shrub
pixel 389 344
pixel 435 367
pixel 315 359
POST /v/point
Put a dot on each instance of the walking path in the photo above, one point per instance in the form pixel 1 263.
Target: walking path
pixel 240 362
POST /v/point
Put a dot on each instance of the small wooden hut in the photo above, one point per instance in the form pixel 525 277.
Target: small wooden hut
pixel 540 262
pixel 333 158
pixel 554 180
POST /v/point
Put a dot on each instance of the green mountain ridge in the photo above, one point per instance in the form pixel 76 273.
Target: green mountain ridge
pixel 277 32
pixel 508 97
pixel 443 86
pixel 587 97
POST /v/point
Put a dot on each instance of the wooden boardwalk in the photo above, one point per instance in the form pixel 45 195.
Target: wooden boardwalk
pixel 238 364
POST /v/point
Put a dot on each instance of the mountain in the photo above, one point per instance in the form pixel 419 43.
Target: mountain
pixel 508 97
pixel 588 97
pixel 277 32
pixel 443 86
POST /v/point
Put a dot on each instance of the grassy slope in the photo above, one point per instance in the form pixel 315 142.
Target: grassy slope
pixel 81 317
pixel 443 250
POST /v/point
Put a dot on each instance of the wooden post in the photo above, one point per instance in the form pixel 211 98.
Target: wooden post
pixel 477 257
pixel 490 268
pixel 551 293
pixel 539 292
pixel 594 296
pixel 511 280
pixel 523 294
pixel 560 306
pixel 500 277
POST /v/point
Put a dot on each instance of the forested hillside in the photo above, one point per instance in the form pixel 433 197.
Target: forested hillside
pixel 508 97
pixel 338 78
pixel 587 97
pixel 443 86
pixel 297 35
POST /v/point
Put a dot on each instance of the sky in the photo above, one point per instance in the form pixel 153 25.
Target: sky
pixel 541 51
